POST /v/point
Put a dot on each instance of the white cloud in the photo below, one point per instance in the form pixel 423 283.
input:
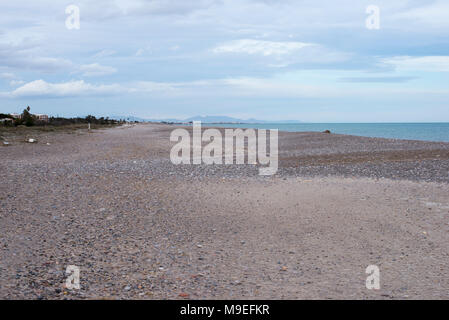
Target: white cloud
pixel 24 54
pixel 267 87
pixel 434 14
pixel 13 79
pixel 41 88
pixel 104 53
pixel 147 49
pixel 270 87
pixel 139 52
pixel 281 54
pixel 427 63
pixel 261 47
pixel 95 69
pixel 150 86
pixel 162 7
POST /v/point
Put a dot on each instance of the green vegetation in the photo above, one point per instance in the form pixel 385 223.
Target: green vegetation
pixel 27 117
pixel 15 128
pixel 58 121
pixel 29 120
pixel 22 132
pixel 6 116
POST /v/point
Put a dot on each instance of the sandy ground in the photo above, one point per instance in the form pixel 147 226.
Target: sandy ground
pixel 139 227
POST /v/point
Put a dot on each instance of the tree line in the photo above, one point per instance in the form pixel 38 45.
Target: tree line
pixel 28 119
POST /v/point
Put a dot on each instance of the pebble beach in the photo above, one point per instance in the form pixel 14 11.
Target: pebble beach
pixel 139 227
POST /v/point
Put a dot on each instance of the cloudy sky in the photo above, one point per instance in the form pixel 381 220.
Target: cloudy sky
pixel 309 60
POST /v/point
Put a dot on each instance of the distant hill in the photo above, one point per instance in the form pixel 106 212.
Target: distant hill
pixel 225 119
pixel 204 119
pixel 128 118
pixel 214 119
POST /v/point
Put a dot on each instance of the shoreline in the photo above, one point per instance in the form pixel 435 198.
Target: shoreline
pixel 327 126
pixel 300 153
pixel 322 154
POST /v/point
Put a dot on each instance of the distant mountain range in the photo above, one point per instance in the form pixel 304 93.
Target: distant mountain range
pixel 206 119
pixel 129 118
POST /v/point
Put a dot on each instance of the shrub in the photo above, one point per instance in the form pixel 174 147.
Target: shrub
pixel 27 118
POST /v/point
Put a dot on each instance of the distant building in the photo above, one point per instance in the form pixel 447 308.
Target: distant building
pixel 41 117
pixel 16 115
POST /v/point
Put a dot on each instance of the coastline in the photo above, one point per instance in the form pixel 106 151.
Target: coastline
pixel 140 227
pixel 321 154
pixel 431 131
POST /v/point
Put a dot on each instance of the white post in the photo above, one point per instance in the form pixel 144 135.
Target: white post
pixel 88 126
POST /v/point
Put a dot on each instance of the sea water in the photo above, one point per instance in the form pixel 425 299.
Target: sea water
pixel 409 131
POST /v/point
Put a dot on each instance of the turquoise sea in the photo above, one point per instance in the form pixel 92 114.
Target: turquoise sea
pixel 410 131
